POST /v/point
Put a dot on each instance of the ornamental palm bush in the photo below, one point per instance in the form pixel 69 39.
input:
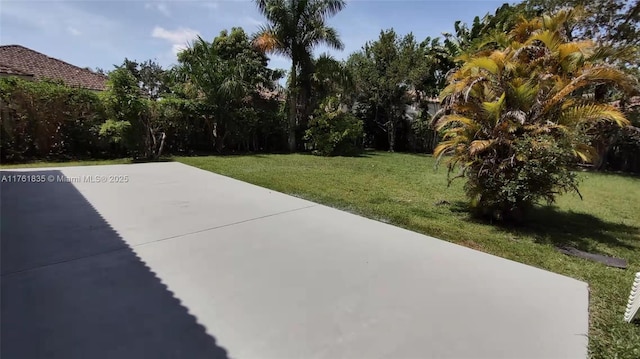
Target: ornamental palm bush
pixel 515 119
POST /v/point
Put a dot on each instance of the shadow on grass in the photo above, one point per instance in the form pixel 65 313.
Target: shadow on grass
pixel 149 160
pixel 364 154
pixel 548 225
pixel 578 230
pixel 361 155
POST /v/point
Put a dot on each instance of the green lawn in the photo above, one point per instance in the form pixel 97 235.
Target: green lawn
pixel 408 191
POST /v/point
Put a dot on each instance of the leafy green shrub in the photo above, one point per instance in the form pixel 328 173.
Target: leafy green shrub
pixel 124 103
pixel 333 131
pixel 538 169
pixel 424 137
pixel 115 131
pixel 48 120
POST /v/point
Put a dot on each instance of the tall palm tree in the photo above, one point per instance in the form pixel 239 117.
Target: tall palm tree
pixel 515 119
pixel 294 29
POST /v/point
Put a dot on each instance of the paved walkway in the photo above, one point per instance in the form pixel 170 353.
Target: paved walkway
pixel 183 263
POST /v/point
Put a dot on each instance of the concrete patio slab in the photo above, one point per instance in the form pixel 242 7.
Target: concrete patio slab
pixel 183 263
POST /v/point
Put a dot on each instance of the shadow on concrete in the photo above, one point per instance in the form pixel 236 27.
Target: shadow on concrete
pixel 72 288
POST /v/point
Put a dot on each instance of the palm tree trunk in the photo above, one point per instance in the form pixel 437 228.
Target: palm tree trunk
pixel 293 104
pixel 391 130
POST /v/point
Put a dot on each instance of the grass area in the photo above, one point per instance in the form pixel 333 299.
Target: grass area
pixel 407 191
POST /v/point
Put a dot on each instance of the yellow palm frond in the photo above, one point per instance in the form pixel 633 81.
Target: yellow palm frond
pixel 455 132
pixel 444 147
pixel 449 119
pixel 493 109
pixel 585 153
pixel 499 58
pixel 593 75
pixel 524 28
pixel 550 39
pixel 592 113
pixel 525 93
pixel 582 47
pixel 484 63
pixel 452 88
pixel 478 146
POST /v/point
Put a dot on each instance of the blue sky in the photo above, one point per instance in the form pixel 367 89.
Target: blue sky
pixel 98 33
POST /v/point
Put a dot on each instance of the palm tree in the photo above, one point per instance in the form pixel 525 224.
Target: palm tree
pixel 224 77
pixel 294 29
pixel 330 77
pixel 516 119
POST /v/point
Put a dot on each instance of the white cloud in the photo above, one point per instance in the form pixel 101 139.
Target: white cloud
pixel 161 7
pixel 211 5
pixel 176 48
pixel 178 38
pixel 73 31
pixel 164 9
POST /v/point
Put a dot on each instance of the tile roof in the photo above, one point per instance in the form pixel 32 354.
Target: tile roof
pixel 19 60
pixel 11 71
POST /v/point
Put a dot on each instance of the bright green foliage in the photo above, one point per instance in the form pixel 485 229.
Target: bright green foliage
pixel 514 118
pixel 334 131
pixel 226 77
pixel 381 71
pixel 294 28
pixel 48 120
pixel 124 103
pixel 115 131
pixel 330 78
pixel 150 76
pixel 390 74
pixel 182 122
pixel 484 32
pixel 543 170
pixel 428 68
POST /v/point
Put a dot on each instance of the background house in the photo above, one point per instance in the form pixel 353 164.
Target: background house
pixel 16 60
